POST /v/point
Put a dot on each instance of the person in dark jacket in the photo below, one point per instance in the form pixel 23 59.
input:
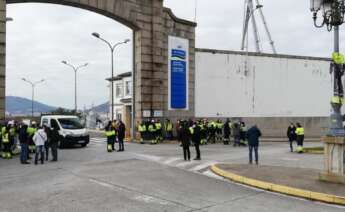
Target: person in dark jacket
pixel 54 141
pixel 121 130
pixel 24 144
pixel 196 138
pixel 227 132
pixel 236 133
pixel 291 134
pixel 47 143
pixel 185 136
pixel 253 135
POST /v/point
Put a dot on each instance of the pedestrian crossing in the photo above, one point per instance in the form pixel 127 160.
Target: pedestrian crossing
pixel 98 140
pixel 196 166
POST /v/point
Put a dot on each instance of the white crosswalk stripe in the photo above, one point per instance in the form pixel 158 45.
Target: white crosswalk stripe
pixel 196 166
pixel 98 140
pixel 200 167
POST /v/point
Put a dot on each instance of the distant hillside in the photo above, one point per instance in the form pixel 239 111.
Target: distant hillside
pixel 22 106
pixel 102 108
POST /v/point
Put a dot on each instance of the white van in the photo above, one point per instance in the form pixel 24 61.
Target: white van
pixel 70 129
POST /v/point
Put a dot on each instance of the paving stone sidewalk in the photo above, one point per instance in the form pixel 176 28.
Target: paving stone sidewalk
pixel 301 178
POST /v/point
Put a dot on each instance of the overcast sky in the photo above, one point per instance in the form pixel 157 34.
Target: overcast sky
pixel 42 35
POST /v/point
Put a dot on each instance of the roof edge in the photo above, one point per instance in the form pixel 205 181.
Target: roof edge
pixel 179 20
pixel 216 51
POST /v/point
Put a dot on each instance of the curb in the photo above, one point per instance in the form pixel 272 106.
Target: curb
pixel 315 196
pixel 314 150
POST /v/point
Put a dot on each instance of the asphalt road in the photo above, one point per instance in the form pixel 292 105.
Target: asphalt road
pixel 146 178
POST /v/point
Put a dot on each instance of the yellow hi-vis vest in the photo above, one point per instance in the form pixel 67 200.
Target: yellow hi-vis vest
pixel 300 131
pixel 5 138
pixel 158 126
pixel 151 128
pixel 338 58
pixel 110 133
pixel 31 131
pixel 142 128
pixel 337 100
pixel 168 127
pixel 191 130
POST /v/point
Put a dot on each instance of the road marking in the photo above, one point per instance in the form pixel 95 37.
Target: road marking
pixel 150 200
pixel 184 164
pixel 291 159
pixel 172 160
pixel 143 198
pixel 203 165
pixel 213 175
pixel 107 185
pixel 148 157
pixel 98 140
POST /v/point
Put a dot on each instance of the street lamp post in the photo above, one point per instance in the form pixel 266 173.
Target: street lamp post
pixel 33 84
pixel 112 49
pixel 332 17
pixel 75 69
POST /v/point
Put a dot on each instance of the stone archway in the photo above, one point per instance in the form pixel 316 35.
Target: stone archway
pixel 152 25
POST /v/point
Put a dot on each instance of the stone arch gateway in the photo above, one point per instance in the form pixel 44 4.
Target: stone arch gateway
pixel 152 25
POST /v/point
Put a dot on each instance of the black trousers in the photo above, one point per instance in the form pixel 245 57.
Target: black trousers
pixel 186 152
pixel 54 149
pixel 197 149
pixel 111 141
pixel 121 145
pixel 46 148
pixel 300 139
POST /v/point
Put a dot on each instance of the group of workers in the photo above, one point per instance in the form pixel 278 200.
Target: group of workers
pixel 32 139
pixel 153 131
pixel 115 132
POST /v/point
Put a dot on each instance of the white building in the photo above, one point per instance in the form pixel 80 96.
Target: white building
pixel 266 89
pixel 122 97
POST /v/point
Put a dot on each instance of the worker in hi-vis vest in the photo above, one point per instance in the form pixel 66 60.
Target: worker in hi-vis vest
pixel 300 137
pixel 110 133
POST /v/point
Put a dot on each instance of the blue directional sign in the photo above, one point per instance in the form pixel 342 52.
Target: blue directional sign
pixel 178 79
pixel 178 73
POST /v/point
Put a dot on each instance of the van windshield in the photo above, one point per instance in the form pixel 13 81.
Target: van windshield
pixel 70 123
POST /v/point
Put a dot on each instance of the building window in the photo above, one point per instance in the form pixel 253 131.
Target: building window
pixel 128 88
pixel 118 90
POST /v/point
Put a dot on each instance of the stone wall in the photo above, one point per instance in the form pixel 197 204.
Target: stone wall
pixel 315 127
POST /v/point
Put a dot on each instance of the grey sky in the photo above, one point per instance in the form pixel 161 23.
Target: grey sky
pixel 43 35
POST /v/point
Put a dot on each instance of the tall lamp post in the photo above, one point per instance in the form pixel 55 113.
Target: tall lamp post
pixel 33 84
pixel 332 12
pixel 112 49
pixel 75 69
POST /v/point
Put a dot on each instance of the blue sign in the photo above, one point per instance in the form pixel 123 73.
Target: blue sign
pixel 178 79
